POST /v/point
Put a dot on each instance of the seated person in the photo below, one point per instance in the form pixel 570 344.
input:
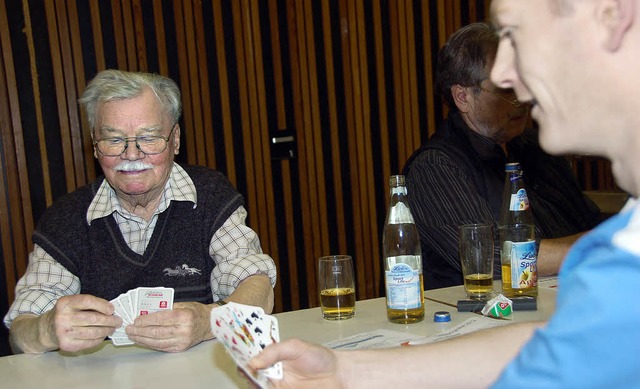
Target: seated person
pixel 592 338
pixel 146 216
pixel 457 177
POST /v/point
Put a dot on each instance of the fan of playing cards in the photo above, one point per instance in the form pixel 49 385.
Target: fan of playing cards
pixel 136 302
pixel 245 331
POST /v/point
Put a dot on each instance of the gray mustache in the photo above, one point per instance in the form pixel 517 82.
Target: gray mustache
pixel 133 166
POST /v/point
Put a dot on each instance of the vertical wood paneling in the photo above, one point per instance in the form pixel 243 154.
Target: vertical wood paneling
pixel 96 26
pixel 353 80
pixel 315 132
pixel 128 28
pixel 265 211
pixel 160 37
pixel 383 118
pixel 185 86
pixel 224 90
pixel 15 188
pixel 83 145
pixel 119 36
pixel 242 37
pixel 58 74
pixel 137 40
pixel 339 227
pixel 428 68
pixel 46 179
pixel 290 267
pixel 205 93
pixel 299 87
pixel 197 127
pixel 347 29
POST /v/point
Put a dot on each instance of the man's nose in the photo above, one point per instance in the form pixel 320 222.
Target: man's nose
pixel 132 152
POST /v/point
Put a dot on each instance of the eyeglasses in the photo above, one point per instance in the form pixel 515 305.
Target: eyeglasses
pixel 513 102
pixel 148 144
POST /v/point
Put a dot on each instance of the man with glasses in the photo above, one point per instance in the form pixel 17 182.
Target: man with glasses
pixel 457 177
pixel 148 222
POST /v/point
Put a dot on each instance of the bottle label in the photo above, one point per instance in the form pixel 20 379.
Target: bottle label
pixel 399 190
pixel 403 283
pixel 524 268
pixel 519 201
pixel 400 214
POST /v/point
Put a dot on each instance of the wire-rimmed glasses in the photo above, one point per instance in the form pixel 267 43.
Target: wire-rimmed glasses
pixel 513 102
pixel 148 144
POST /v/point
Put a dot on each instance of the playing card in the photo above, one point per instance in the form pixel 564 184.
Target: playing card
pixel 132 300
pixel 123 309
pixel 121 340
pixel 244 331
pixel 264 329
pixel 136 302
pixel 149 300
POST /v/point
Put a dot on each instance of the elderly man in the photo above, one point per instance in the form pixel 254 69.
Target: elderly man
pixel 576 62
pixel 146 215
pixel 457 177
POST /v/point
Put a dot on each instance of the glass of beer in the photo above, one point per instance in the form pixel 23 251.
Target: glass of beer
pixel 476 257
pixel 337 287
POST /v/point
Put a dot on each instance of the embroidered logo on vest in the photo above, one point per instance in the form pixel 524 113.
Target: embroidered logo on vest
pixel 182 271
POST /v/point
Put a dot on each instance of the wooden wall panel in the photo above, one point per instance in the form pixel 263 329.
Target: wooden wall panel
pixel 351 80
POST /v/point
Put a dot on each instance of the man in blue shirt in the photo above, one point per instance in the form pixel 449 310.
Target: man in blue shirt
pixel 576 62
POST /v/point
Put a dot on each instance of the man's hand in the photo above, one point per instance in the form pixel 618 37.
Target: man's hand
pixel 75 323
pixel 186 325
pixel 305 364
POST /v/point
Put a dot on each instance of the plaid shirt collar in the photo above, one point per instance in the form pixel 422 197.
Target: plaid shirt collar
pixel 179 187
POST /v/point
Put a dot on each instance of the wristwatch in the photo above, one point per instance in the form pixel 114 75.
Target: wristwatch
pixel 220 302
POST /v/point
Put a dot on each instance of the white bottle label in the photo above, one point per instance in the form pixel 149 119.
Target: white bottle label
pixel 524 268
pixel 403 283
pixel 400 214
pixel 519 201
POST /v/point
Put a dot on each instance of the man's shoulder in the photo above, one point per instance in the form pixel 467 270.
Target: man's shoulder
pixel 79 198
pixel 70 209
pixel 202 172
pixel 211 183
pixel 435 154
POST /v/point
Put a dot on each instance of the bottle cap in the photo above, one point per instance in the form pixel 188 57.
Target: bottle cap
pixel 441 316
pixel 396 181
pixel 512 166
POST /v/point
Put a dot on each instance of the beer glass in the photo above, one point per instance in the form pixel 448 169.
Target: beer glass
pixel 337 287
pixel 476 257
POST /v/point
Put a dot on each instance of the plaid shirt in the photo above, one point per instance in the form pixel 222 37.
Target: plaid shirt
pixel 234 247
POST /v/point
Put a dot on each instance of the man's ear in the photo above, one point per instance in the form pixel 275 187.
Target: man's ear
pixel 616 17
pixel 176 140
pixel 462 97
pixel 95 147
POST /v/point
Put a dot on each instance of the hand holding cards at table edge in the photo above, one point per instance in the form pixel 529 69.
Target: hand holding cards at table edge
pixel 305 364
pixel 75 323
pixel 152 320
pixel 245 331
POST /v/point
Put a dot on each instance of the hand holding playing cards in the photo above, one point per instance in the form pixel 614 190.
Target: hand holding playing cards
pixel 186 325
pixel 304 364
pixel 79 322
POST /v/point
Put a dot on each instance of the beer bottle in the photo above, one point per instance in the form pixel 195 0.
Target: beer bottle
pixel 402 259
pixel 518 250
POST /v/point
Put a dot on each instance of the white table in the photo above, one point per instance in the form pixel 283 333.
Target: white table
pixel 206 365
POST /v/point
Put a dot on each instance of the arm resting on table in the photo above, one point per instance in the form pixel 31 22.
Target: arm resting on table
pixel 470 361
pixel 255 290
pixel 33 334
pixel 552 252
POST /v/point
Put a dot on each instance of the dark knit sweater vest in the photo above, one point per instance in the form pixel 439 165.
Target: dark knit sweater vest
pixel 177 255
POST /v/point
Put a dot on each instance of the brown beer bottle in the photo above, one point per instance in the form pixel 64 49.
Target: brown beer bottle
pixel 402 259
